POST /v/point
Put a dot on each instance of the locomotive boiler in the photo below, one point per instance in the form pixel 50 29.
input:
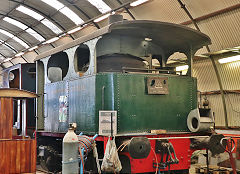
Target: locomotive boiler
pixel 106 83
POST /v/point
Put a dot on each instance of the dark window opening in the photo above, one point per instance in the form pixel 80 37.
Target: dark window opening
pixel 119 63
pixel 13 78
pixel 57 67
pixel 81 59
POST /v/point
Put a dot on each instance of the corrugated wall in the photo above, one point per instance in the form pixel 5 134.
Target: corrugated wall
pixel 207 81
pixel 222 28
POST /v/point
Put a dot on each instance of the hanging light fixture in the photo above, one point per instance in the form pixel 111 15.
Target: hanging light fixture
pixel 229 59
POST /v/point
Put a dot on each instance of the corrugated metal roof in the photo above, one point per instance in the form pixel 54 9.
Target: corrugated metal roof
pixel 221 28
pixel 204 72
pixel 161 10
pixel 230 75
pixel 223 34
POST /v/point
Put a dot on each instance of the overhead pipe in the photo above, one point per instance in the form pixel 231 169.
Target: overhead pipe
pixel 213 63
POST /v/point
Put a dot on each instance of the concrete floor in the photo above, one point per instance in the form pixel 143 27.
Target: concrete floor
pixel 39 170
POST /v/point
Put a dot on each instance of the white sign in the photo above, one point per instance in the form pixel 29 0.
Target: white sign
pixel 107 123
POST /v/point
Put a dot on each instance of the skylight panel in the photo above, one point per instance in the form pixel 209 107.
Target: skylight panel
pixel 54 3
pixel 15 22
pixel 138 2
pixel 102 18
pixel 14 38
pixel 74 30
pixel 64 10
pixel 30 12
pixel 21 42
pixel 51 26
pixel 7 59
pixel 100 5
pixel 71 15
pixel 33 48
pixel 35 34
pixel 39 17
pixel 19 54
pixel 24 27
pixel 6 33
pixel 51 40
pixel 8 45
pixel 13 50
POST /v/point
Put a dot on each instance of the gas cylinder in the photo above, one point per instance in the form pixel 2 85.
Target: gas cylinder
pixel 70 153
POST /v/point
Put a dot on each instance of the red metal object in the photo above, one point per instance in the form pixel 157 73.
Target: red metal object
pixel 183 152
pixel 230 152
pixel 181 147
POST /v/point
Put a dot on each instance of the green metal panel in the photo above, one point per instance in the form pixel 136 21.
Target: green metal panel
pixel 139 111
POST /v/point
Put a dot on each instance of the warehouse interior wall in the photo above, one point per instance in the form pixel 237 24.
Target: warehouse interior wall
pixel 208 86
pixel 220 20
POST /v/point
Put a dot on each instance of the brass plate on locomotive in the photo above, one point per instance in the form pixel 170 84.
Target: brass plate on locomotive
pixel 157 85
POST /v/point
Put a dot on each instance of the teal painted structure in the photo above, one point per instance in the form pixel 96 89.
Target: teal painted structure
pixel 113 88
pixel 137 111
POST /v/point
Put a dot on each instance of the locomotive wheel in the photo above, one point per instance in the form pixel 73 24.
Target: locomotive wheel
pixel 51 161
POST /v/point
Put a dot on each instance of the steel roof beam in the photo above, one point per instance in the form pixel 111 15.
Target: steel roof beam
pixel 24 59
pixel 38 11
pixel 15 35
pixel 44 15
pixel 29 26
pixel 4 43
pixel 213 14
pixel 5 58
pixel 85 14
pixel 127 10
pixel 7 15
pixel 213 64
pixel 48 17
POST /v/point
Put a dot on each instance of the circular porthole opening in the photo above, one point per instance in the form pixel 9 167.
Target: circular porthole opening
pixel 82 59
pixel 57 66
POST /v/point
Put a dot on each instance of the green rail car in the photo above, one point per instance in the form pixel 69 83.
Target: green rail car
pixel 137 110
pixel 122 80
pixel 107 71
